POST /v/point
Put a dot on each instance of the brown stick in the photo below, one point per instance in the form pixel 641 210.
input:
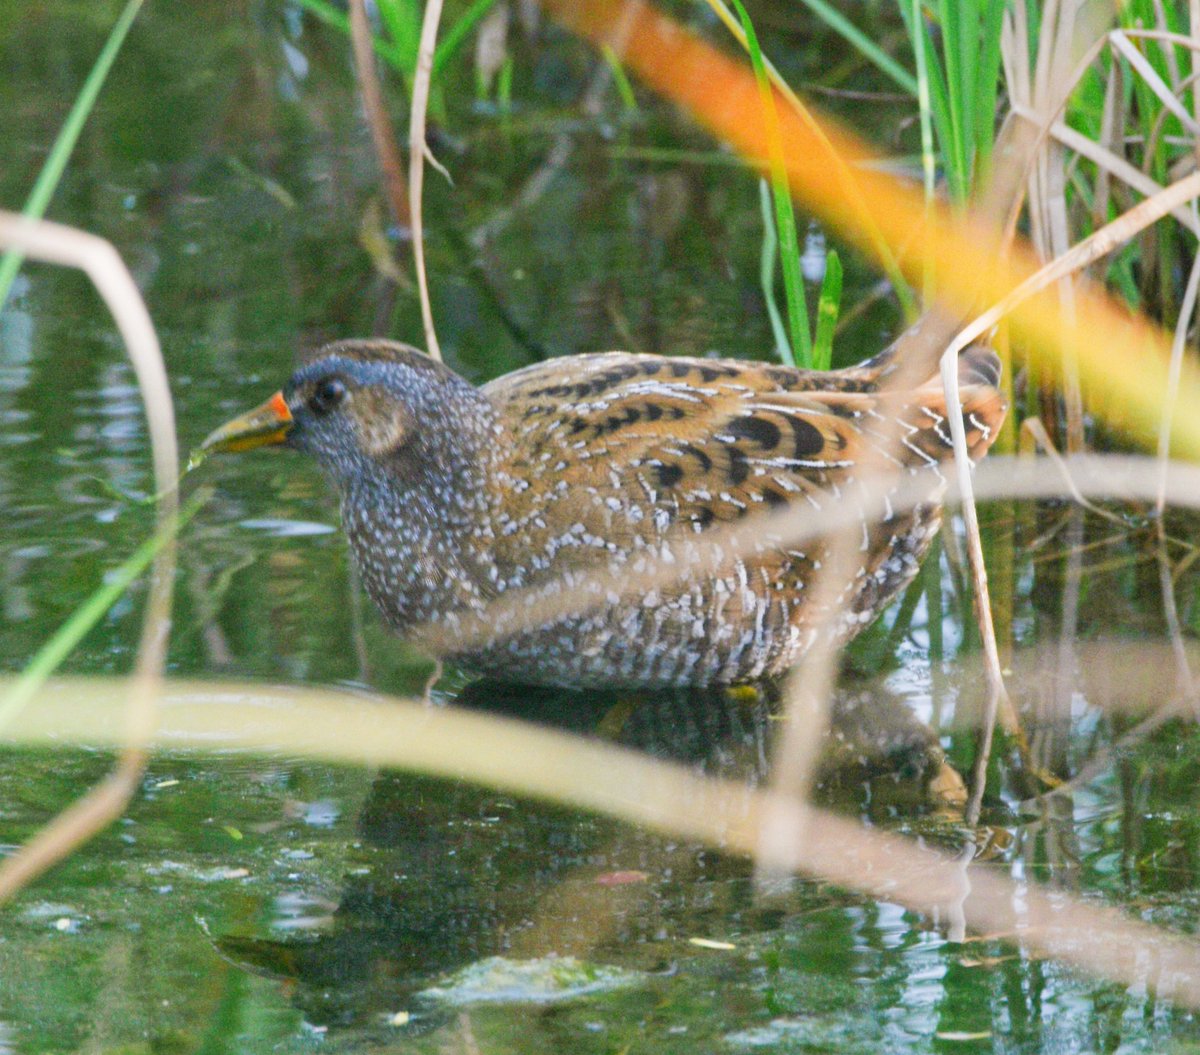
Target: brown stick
pixel 669 797
pixel 417 149
pixel 386 151
pixel 56 244
pixel 1171 400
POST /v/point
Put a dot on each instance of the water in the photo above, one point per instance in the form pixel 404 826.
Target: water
pixel 283 905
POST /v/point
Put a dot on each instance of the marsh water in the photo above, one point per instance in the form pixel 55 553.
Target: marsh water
pixel 275 904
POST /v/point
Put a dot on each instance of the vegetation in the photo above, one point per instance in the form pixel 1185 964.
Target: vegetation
pixel 530 253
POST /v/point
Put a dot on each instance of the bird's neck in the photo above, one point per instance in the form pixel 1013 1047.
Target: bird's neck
pixel 423 552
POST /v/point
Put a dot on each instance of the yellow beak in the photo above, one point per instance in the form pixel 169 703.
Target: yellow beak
pixel 264 426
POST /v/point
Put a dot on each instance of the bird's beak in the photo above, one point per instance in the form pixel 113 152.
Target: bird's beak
pixel 264 426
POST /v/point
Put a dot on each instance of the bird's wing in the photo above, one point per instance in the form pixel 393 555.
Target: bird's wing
pixel 611 452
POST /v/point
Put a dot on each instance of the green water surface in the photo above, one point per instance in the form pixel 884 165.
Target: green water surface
pixel 280 905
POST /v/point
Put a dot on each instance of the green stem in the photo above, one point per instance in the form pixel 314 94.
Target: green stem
pixel 862 43
pixel 828 306
pixel 457 33
pixel 770 246
pixel 52 171
pixel 785 216
pixel 928 160
pixel 51 655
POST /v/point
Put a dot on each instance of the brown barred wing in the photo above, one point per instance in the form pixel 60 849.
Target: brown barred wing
pixel 624 457
pixel 642 446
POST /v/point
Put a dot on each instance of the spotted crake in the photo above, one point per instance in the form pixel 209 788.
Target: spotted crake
pixel 453 496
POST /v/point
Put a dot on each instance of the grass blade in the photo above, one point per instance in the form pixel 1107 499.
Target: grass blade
pixel 402 20
pixel 457 33
pixel 928 154
pixel 785 215
pixel 987 89
pixel 828 306
pixel 620 79
pixel 863 44
pixel 956 72
pixel 60 153
pixel 770 245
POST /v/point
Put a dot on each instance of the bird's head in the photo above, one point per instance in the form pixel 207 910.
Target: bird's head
pixel 366 405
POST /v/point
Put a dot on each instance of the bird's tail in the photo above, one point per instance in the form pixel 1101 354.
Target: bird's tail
pixel 983 406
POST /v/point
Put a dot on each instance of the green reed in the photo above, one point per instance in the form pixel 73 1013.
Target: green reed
pixel 397 37
pixel 56 162
pixel 798 344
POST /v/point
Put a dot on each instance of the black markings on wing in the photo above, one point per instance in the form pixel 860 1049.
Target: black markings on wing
pixel 703 461
pixel 809 442
pixel 801 435
pixel 749 460
pixel 668 474
pixel 581 378
pixel 760 431
pixel 979 365
pixel 697 442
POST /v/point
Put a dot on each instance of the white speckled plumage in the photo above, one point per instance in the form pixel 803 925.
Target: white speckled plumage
pixel 452 496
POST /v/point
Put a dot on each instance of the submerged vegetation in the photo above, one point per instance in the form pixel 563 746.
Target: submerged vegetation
pixel 585 213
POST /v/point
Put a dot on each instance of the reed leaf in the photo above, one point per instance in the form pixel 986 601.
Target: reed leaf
pixel 56 162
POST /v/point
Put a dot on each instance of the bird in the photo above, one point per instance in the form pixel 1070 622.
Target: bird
pixel 457 498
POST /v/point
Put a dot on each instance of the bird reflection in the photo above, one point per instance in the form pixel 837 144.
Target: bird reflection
pixel 452 873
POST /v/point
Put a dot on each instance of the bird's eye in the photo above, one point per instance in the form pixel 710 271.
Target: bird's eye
pixel 327 395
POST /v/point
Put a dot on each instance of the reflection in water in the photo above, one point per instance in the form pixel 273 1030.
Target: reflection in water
pixel 459 874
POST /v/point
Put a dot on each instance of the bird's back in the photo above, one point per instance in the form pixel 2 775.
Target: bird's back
pixel 623 459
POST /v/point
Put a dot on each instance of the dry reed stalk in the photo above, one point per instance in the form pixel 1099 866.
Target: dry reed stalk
pixel 1014 55
pixel 1193 43
pixel 67 247
pixel 1098 245
pixel 1185 683
pixel 1160 21
pixel 1166 580
pixel 1123 46
pixel 1157 135
pixel 388 156
pixel 666 797
pixel 1187 310
pixel 997 696
pixel 1112 163
pixel 1049 222
pixel 418 149
pixel 466 1034
pixel 1112 129
pixel 1104 153
pixel 1034 428
pixel 1091 249
pixel 1049 756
